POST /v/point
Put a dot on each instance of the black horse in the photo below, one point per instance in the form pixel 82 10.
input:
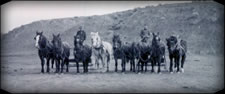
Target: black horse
pixel 82 53
pixel 130 54
pixel 177 50
pixel 61 51
pixel 144 50
pixel 118 51
pixel 45 50
pixel 127 53
pixel 157 52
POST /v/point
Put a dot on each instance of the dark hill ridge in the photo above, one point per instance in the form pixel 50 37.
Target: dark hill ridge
pixel 200 23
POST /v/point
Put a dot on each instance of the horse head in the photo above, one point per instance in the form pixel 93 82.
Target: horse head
pixel 57 42
pixel 38 39
pixel 156 39
pixel 171 42
pixel 95 40
pixel 116 41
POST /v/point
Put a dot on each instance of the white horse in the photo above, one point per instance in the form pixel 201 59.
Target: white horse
pixel 100 50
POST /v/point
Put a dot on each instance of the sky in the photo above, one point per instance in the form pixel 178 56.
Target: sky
pixel 17 13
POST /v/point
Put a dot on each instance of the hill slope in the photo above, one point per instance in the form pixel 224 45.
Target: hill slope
pixel 200 23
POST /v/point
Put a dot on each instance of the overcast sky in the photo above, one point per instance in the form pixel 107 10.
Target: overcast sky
pixel 17 13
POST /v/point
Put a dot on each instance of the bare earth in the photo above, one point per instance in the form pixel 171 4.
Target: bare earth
pixel 21 73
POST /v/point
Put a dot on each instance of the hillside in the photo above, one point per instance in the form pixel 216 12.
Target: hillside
pixel 201 24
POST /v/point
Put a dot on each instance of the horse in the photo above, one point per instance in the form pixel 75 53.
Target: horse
pixel 101 50
pixel 177 50
pixel 82 53
pixel 61 51
pixel 126 53
pixel 144 49
pixel 45 50
pixel 157 52
pixel 117 50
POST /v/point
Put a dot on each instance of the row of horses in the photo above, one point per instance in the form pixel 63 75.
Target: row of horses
pixel 143 52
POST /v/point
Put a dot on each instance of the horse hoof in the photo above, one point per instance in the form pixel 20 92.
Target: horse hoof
pixel 139 72
pixel 182 70
pixel 178 72
pixel 171 72
pixel 159 72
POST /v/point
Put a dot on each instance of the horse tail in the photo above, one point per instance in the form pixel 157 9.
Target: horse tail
pixel 108 56
pixel 183 44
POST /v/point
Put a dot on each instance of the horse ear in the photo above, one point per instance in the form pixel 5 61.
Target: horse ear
pixel 36 32
pixel 53 35
pixel 157 33
pixel 58 35
pixel 41 32
pixel 167 39
pixel 97 33
pixel 153 34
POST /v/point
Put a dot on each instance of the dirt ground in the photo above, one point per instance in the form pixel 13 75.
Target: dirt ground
pixel 21 74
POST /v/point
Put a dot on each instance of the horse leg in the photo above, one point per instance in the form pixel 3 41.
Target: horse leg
pixel 67 64
pixel 87 64
pixel 146 63
pixel 142 66
pixel 108 60
pixel 52 62
pixel 133 64
pixel 152 64
pixel 56 66
pixel 159 63
pixel 178 63
pixel 42 64
pixel 77 63
pixel 103 62
pixel 124 66
pixel 182 63
pixel 84 65
pixel 62 65
pixel 131 67
pixel 138 65
pixel 164 61
pixel 115 64
pixel 175 65
pixel 171 63
pixel 48 69
pixel 97 62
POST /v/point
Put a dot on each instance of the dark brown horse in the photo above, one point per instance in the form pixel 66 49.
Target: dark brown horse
pixel 82 53
pixel 157 52
pixel 127 52
pixel 45 50
pixel 177 51
pixel 61 51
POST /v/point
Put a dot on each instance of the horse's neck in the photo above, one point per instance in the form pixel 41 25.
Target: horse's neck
pixel 99 43
pixel 43 42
